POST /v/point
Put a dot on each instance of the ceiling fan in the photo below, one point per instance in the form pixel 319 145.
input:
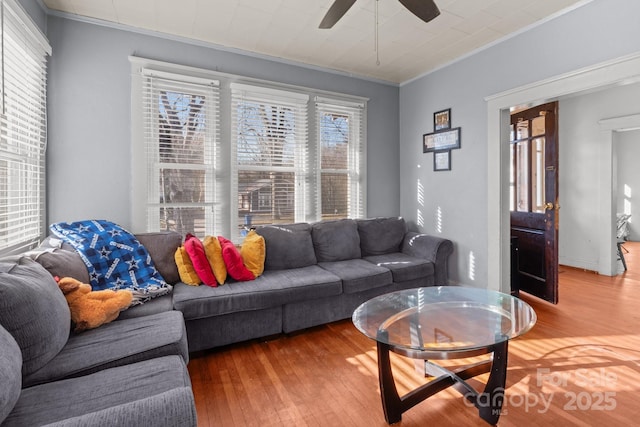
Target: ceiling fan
pixel 423 9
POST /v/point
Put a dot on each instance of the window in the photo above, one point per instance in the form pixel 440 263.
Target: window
pixel 223 153
pixel 181 140
pixel 269 142
pixel 341 143
pixel 22 130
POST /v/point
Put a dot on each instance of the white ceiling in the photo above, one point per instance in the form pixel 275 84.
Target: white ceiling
pixel 288 29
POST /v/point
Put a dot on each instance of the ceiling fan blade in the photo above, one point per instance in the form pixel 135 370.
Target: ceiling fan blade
pixel 335 12
pixel 423 9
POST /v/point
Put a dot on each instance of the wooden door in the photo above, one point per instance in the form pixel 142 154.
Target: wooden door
pixel 534 199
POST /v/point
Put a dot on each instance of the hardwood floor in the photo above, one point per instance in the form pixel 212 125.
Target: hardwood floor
pixel 579 366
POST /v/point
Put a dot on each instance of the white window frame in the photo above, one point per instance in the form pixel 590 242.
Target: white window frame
pixel 355 171
pixel 308 177
pixel 298 105
pixel 23 130
pixel 146 149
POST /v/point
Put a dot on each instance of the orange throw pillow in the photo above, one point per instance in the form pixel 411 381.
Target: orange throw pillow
pixel 253 252
pixel 213 250
pixel 185 269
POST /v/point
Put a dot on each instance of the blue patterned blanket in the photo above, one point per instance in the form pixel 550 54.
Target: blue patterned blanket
pixel 114 258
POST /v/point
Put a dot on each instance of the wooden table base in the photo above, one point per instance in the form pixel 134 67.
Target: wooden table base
pixel 489 402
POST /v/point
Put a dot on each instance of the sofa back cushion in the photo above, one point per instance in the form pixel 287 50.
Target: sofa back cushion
pixel 34 311
pixel 10 373
pixel 380 236
pixel 162 246
pixel 287 246
pixel 336 240
pixel 62 262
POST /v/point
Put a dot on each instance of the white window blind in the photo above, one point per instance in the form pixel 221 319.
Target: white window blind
pixel 181 137
pixel 269 149
pixel 341 128
pixel 262 154
pixel 23 72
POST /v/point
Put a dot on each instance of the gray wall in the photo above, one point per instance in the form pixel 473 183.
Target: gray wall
pixel 627 149
pixel 37 13
pixel 89 129
pixel 579 196
pixel 454 204
pixel 89 116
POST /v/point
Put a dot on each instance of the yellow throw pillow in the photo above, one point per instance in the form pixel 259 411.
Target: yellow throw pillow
pixel 213 250
pixel 187 273
pixel 253 252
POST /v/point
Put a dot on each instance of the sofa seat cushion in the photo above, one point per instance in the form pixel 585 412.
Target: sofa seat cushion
pixel 171 408
pixel 403 267
pixel 34 311
pixel 115 344
pixel 60 400
pixel 358 275
pixel 272 289
pixel 156 305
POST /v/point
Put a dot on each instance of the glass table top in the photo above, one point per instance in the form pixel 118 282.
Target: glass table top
pixel 444 318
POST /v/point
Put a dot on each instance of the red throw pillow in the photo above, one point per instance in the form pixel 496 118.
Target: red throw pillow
pixel 233 261
pixel 195 249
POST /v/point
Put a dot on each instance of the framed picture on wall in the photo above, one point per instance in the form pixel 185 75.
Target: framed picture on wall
pixel 442 160
pixel 441 141
pixel 442 120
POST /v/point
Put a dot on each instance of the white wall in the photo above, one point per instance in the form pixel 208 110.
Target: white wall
pixel 89 97
pixel 579 198
pixel 454 204
pixel 627 149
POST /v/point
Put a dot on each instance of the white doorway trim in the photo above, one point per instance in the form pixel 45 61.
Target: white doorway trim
pixel 608 264
pixel 619 71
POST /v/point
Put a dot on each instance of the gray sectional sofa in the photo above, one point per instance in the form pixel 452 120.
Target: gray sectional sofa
pixel 133 371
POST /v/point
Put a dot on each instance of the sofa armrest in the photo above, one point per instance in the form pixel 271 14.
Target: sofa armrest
pixel 175 407
pixel 431 248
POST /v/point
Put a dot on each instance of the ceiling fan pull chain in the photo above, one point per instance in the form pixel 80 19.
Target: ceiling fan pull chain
pixel 376 36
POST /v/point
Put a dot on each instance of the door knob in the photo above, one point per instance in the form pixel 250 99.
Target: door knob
pixel 548 206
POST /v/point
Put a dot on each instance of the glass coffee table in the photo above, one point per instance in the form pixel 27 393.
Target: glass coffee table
pixel 442 323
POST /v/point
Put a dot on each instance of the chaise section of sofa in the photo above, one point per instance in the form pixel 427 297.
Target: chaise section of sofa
pixel 55 375
pixel 153 392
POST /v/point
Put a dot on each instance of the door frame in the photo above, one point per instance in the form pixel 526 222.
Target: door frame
pixel 608 265
pixel 624 70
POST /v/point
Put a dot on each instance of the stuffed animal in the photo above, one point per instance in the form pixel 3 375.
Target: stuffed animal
pixel 90 309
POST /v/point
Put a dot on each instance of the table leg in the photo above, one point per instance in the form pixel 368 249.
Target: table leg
pixel 391 402
pixel 489 403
